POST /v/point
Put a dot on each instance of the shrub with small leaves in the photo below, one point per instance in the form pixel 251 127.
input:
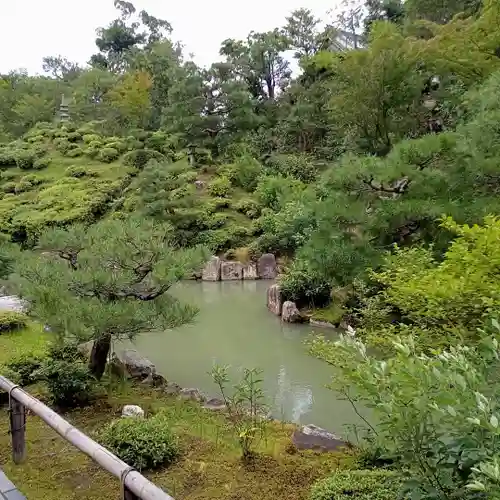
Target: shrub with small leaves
pixel 120 146
pixel 7 158
pixel 22 187
pixel 9 187
pixel 220 187
pixel 67 376
pixel 77 171
pixel 74 136
pixel 89 138
pixel 249 207
pixel 41 163
pixel 141 443
pixel 359 485
pixel 108 155
pixel 11 321
pixel 140 157
pixel 25 367
pixel 25 159
pixel 74 152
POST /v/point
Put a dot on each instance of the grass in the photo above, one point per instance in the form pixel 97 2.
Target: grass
pixel 333 314
pixel 210 465
pixel 31 340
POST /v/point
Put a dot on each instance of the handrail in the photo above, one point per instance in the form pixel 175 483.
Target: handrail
pixel 135 485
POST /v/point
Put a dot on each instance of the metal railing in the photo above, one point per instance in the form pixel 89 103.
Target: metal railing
pixel 134 485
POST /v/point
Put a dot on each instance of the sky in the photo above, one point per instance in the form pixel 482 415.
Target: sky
pixel 32 29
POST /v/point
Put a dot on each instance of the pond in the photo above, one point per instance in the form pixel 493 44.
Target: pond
pixel 235 328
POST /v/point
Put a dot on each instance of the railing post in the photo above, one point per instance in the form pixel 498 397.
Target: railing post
pixel 128 495
pixel 17 430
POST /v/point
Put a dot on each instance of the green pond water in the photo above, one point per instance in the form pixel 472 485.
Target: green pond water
pixel 235 328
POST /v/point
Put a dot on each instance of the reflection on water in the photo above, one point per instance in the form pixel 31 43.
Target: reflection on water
pixel 235 328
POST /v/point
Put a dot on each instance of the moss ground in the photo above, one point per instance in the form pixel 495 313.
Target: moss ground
pixel 210 465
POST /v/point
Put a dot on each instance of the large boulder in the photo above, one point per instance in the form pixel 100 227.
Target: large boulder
pixel 250 271
pixel 215 404
pixel 212 270
pixel 231 271
pixel 311 437
pixel 266 267
pixel 274 300
pixel 131 363
pixel 290 313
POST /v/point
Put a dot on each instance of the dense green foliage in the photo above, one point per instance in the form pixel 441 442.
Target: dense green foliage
pixel 141 443
pixel 11 321
pixel 436 415
pixel 358 484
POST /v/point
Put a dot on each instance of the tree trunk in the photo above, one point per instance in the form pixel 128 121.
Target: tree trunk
pixel 99 355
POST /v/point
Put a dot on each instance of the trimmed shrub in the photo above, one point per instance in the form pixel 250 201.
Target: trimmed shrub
pixel 108 155
pixel 139 158
pixel 7 158
pixel 63 145
pixel 67 376
pixel 33 179
pixel 74 136
pixel 74 153
pixel 25 368
pixel 359 485
pixel 120 146
pixel 294 165
pixel 41 163
pixel 11 321
pixel 77 171
pixel 25 159
pixel 249 207
pixel 141 443
pixel 220 187
pixel 90 138
pixel 22 187
pixel 9 187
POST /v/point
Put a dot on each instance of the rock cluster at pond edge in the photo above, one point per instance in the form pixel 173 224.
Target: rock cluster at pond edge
pixel 217 269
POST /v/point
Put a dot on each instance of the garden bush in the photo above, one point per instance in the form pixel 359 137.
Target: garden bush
pixel 74 136
pixel 108 155
pixel 25 368
pixel 41 163
pixel 139 158
pixel 249 207
pixel 74 152
pixel 221 186
pixel 120 146
pixel 77 171
pixel 25 159
pixel 244 172
pixel 90 138
pixel 274 191
pixel 294 165
pixel 9 187
pixel 68 380
pixel 11 321
pixel 7 158
pixel 63 145
pixel 141 443
pixel 358 485
pixel 22 187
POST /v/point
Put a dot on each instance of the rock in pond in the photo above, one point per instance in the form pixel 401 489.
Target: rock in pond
pixel 215 404
pixel 274 300
pixel 212 270
pixel 311 437
pixel 191 395
pixel 132 411
pixel 322 324
pixel 231 271
pixel 266 267
pixel 250 271
pixel 290 313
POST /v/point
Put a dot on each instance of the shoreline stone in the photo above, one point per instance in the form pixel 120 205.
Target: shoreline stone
pixel 266 267
pixel 212 270
pixel 231 271
pixel 322 324
pixel 274 299
pixel 250 271
pixel 312 437
pixel 290 313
